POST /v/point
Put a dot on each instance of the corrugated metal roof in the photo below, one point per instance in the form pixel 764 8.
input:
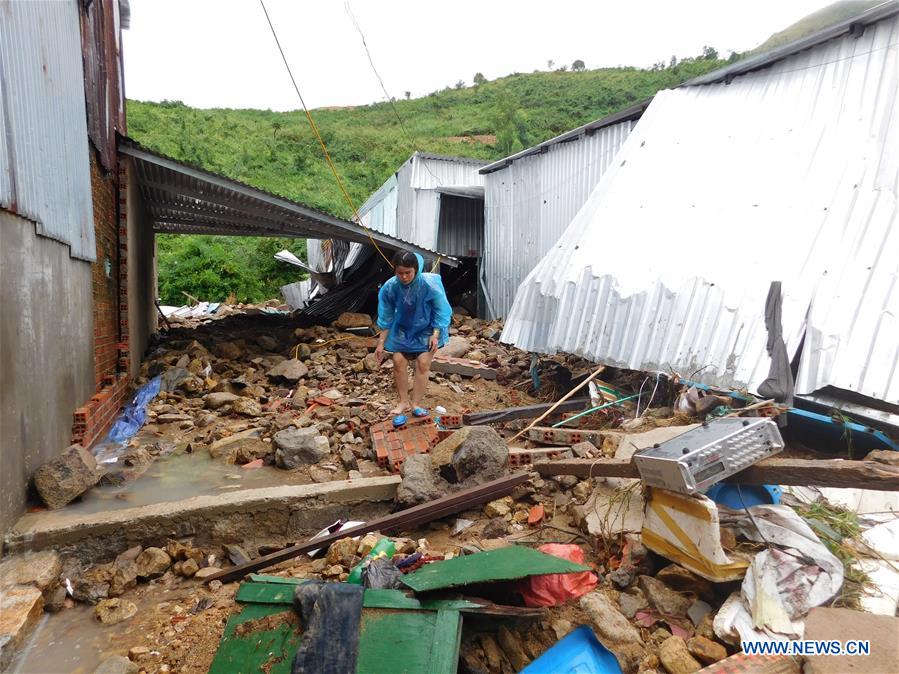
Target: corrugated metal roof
pixel 45 174
pixel 528 206
pixel 789 174
pixel 182 199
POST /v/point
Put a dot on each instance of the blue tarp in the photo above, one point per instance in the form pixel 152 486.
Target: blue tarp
pixel 129 422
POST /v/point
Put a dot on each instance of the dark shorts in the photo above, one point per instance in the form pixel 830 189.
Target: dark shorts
pixel 412 356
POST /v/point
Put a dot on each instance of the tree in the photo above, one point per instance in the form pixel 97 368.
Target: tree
pixel 563 68
pixel 511 127
pixel 479 78
pixel 709 53
pixel 673 62
pixel 408 95
pixel 578 66
pixel 460 84
pixel 550 63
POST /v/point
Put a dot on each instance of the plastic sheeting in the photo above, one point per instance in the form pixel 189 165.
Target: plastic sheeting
pixel 129 422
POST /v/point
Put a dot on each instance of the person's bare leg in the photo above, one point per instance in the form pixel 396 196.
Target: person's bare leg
pixel 420 378
pixel 401 377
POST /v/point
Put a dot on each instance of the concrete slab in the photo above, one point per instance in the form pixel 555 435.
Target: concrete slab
pixel 20 609
pixel 279 512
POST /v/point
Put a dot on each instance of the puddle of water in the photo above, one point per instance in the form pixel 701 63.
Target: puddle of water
pixel 182 476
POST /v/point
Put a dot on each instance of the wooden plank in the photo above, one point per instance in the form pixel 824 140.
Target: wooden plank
pixel 509 563
pixel 399 642
pixel 266 593
pixel 799 472
pixel 286 580
pixel 525 412
pixel 269 648
pixel 446 643
pixel 405 519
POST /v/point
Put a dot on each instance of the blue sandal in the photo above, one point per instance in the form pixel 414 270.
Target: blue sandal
pixel 420 412
pixel 399 420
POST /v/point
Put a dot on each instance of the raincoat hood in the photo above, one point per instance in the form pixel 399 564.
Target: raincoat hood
pixel 421 268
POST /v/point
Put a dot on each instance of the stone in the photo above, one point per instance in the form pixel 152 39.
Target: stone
pixel 214 401
pixel 40 569
pixel 481 456
pixel 675 657
pixel 370 363
pixel 189 567
pixel 64 478
pixel 237 554
pixel 663 599
pixel 93 584
pixel 227 350
pixel 561 628
pixel 320 475
pixel 112 611
pixel 455 347
pixel 632 603
pixel 138 652
pixel 205 572
pixel 247 407
pixel 21 608
pixel 682 580
pixel 117 664
pixel 297 447
pixel 350 320
pixel 266 342
pixel 368 542
pixel 582 490
pixel 496 528
pixel 123 577
pixel 348 459
pixel 511 645
pixel 584 450
pixel 418 484
pixel 706 650
pixel 152 563
pixel 55 599
pixel 339 550
pixel 498 508
pixel 610 625
pixel 289 370
pixel 241 447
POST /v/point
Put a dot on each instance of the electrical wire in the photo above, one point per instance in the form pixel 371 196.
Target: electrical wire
pixel 318 136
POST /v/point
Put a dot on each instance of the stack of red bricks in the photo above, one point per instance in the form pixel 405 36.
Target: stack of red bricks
pixel 393 445
pixel 95 417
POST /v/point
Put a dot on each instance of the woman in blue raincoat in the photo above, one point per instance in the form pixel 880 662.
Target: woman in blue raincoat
pixel 413 317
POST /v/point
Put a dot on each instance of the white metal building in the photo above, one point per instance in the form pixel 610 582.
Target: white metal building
pixel 783 167
pixel 531 197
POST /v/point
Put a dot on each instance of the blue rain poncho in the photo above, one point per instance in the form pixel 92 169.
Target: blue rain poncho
pixel 412 312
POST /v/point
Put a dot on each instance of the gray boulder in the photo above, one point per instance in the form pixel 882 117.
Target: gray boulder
pixel 455 347
pixel 289 370
pixel 418 482
pixel 483 456
pixel 297 447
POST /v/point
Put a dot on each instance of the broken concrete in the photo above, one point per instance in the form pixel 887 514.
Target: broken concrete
pixel 278 512
pixel 64 478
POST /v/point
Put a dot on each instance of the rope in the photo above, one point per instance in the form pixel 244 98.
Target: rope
pixel 321 141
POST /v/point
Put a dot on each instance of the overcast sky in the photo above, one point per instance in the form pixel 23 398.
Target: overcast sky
pixel 220 53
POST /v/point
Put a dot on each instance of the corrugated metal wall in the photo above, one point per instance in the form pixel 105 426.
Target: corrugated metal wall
pixel 530 203
pixel 45 174
pixel 461 227
pixel 789 174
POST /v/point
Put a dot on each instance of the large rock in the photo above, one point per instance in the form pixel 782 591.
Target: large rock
pixel 93 584
pixel 227 350
pixel 481 457
pixel 20 610
pixel 152 563
pixel 455 347
pixel 40 569
pixel 267 342
pixel 241 447
pixel 213 401
pixel 418 482
pixel 112 611
pixel 117 664
pixel 123 577
pixel 610 625
pixel 705 650
pixel 297 447
pixel 675 657
pixel 662 598
pixel 350 320
pixel 66 477
pixel 288 370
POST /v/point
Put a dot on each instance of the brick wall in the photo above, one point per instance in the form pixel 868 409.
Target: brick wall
pixel 109 277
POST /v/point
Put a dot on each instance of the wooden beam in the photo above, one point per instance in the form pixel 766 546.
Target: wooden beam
pixel 797 472
pixel 403 520
pixel 526 412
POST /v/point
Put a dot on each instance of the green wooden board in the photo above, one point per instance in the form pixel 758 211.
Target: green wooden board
pixel 262 578
pixel 249 653
pixel 509 563
pixel 266 593
pixel 409 642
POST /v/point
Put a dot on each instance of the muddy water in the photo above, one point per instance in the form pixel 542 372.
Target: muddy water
pixel 182 476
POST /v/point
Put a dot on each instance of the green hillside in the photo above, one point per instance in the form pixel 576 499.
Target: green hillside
pixel 277 152
pixel 824 17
